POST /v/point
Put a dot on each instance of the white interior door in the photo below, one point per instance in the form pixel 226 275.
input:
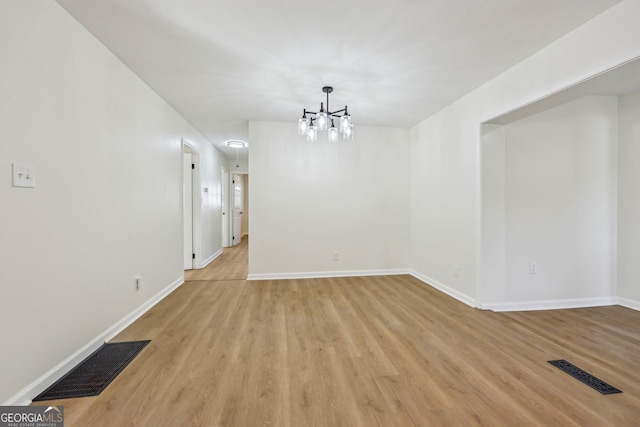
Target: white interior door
pixel 237 210
pixel 225 208
pixel 187 209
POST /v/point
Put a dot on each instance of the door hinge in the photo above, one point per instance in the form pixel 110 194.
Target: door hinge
pixel 193 256
pixel 193 166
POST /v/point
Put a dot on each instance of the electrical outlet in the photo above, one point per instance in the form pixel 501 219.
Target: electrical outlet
pixel 533 267
pixel 23 176
pixel 336 256
pixel 456 270
pixel 139 281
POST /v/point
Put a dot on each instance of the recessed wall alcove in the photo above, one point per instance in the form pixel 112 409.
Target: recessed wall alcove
pixel 561 198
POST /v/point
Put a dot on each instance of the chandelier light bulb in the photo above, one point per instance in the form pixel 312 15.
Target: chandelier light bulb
pixel 345 121
pixel 322 121
pixel 303 125
pixel 322 117
pixel 333 133
pixel 348 134
pixel 312 133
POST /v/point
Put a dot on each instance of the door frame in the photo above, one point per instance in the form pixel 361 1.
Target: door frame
pixel 224 195
pixel 195 200
pixel 230 192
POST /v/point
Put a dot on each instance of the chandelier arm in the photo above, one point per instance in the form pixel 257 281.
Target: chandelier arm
pixel 332 114
pixel 336 112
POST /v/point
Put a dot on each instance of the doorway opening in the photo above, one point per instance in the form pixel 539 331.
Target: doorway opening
pixel 235 207
pixel 239 208
pixel 556 176
pixel 233 263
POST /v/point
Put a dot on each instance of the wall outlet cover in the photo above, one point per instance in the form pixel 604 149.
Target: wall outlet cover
pixel 23 176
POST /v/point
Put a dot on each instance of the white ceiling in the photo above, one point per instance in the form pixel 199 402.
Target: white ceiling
pixel 393 62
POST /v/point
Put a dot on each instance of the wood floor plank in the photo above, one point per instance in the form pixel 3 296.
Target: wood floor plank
pixel 232 264
pixel 365 351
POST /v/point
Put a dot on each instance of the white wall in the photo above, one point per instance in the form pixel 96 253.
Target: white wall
pixel 493 213
pixel 443 179
pixel 445 161
pixel 629 199
pixel 107 205
pixel 311 199
pixel 239 166
pixel 560 203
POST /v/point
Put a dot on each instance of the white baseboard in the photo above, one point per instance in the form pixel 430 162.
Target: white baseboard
pixel 629 303
pixel 549 304
pixel 211 258
pixel 321 274
pixel 444 288
pixel 24 396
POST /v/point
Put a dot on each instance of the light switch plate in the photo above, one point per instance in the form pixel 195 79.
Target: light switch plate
pixel 23 176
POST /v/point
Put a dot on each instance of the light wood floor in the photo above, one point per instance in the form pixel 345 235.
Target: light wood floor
pixel 233 264
pixel 369 351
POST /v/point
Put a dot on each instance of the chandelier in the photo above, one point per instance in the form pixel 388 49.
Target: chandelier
pixel 324 121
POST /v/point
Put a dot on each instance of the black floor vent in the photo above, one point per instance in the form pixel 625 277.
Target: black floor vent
pixel 577 373
pixel 94 373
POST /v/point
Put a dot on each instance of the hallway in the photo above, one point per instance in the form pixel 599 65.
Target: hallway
pixel 233 264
